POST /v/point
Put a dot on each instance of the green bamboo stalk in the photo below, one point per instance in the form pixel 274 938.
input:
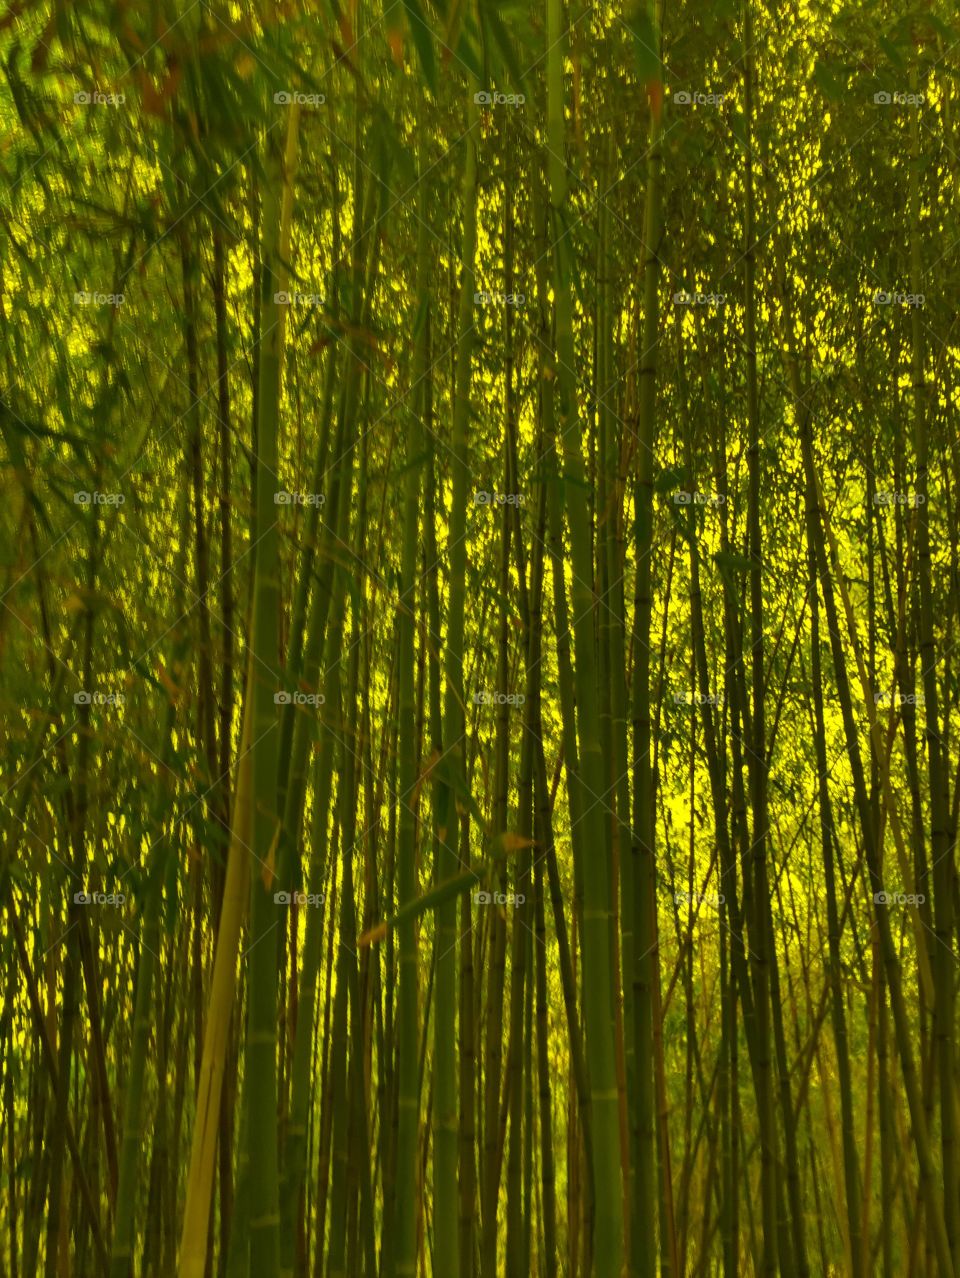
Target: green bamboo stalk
pixel 445 1065
pixel 134 1125
pixel 547 1170
pixel 761 941
pixel 496 928
pixel 261 1062
pixel 295 744
pixel 295 1136
pixel 927 1187
pixel 324 626
pixel 828 838
pixel 520 1044
pixel 598 1011
pixel 613 650
pixel 642 852
pixel 196 1218
pixel 403 1258
pixel 941 846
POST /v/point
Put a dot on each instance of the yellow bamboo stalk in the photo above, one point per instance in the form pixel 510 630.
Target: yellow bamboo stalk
pixel 236 893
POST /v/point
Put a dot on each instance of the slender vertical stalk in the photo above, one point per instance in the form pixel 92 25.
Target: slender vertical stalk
pixel 196 1219
pixel 941 846
pixel 445 1066
pixel 404 1259
pixel 604 1096
pixel 643 850
pixel 760 939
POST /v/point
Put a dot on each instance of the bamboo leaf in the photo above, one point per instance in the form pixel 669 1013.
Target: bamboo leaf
pixel 645 43
pixel 423 40
pixel 729 562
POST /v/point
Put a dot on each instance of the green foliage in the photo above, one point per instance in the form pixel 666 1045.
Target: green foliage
pixel 462 448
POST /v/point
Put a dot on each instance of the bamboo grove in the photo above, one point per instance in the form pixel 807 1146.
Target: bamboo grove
pixel 479 622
